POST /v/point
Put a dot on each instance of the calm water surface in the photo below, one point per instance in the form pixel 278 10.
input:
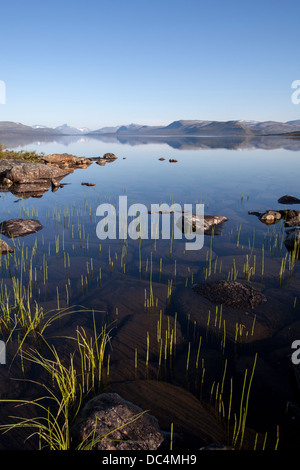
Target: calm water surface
pixel 133 285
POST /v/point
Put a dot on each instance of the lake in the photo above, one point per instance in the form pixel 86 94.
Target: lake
pixel 170 350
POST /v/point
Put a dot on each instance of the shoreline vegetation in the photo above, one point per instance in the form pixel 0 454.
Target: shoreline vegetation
pixel 80 369
pixel 19 155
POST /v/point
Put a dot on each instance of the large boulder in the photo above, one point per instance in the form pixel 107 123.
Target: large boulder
pixel 24 172
pixel 15 228
pixel 116 424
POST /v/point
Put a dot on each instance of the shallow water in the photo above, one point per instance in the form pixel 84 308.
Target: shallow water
pixel 72 266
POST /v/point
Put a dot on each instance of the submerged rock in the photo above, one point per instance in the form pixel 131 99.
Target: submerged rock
pixel 172 160
pixel 5 248
pixel 123 425
pixel 288 199
pixel 291 217
pixel 87 184
pixel 15 228
pixel 292 239
pixel 189 223
pixel 230 293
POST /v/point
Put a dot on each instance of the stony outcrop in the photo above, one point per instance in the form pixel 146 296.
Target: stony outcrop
pixel 15 228
pixel 116 424
pixel 17 172
pixel 65 161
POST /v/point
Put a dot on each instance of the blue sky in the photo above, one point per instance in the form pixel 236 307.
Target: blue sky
pixel 95 63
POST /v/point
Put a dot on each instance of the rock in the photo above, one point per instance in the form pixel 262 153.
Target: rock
pixel 292 239
pixel 194 424
pixel 230 293
pixel 29 190
pixel 109 157
pixel 288 199
pixel 5 248
pixel 172 160
pixel 258 214
pixel 295 221
pixel 101 162
pixel 189 223
pixel 24 172
pixel 123 425
pixel 66 161
pixel 87 184
pixel 289 213
pixel 161 159
pixel 14 228
pixel 291 216
pixel 270 217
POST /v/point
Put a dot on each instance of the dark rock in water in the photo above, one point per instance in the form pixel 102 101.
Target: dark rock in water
pixel 258 214
pixel 5 248
pixel 230 293
pixel 294 222
pixel 161 159
pixel 289 213
pixel 291 217
pixel 14 228
pixel 87 184
pixel 289 199
pixel 292 239
pixel 128 426
pixel 189 223
pixel 172 160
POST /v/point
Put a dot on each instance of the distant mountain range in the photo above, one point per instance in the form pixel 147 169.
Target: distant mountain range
pixel 179 128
